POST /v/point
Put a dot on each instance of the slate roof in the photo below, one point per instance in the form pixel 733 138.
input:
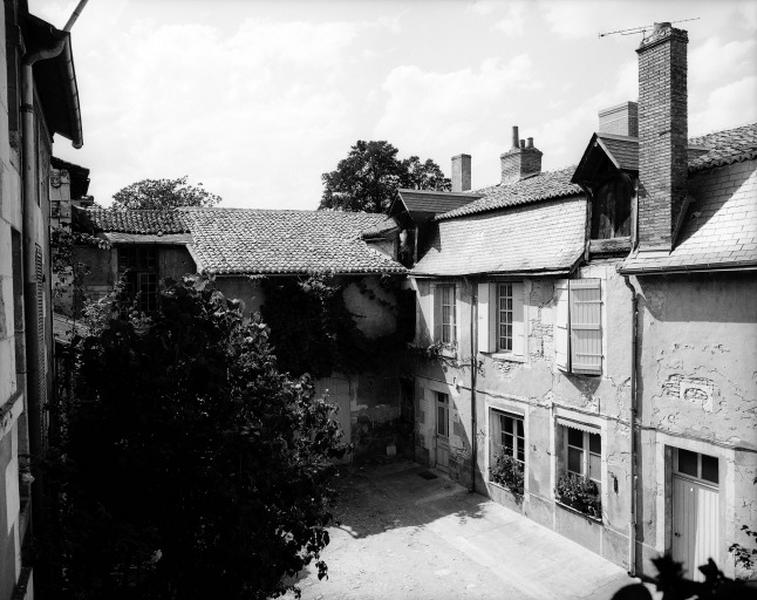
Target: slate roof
pixel 428 201
pixel 726 147
pixel 624 149
pixel 235 241
pixel 544 186
pixel 130 221
pixel 529 238
pixel 720 227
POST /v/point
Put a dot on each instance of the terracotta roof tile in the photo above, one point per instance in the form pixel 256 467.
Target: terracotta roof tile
pixel 251 241
pixel 544 186
pixel 726 147
pixel 129 221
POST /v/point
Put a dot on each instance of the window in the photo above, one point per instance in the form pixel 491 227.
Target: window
pixel 584 454
pixel 699 466
pixel 139 265
pixel 442 415
pixel 578 326
pixel 507 449
pixel 501 324
pixel 507 436
pixel 444 314
pixel 579 482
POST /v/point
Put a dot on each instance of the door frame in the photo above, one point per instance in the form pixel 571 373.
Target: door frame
pixel 664 445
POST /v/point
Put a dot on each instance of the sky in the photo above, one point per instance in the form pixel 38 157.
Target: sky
pixel 256 99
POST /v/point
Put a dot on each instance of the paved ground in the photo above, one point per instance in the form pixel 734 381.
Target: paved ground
pixel 402 536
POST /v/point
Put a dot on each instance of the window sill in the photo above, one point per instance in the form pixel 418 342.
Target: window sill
pixel 575 511
pixel 505 356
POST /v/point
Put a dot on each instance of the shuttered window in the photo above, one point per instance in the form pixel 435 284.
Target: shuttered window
pixel 501 324
pixel 578 326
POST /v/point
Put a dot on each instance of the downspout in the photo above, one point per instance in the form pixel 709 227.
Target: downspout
pixel 634 533
pixel 473 373
pixel 31 227
pixel 635 433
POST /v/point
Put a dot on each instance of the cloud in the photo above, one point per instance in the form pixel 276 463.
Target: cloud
pixel 725 107
pixel 513 22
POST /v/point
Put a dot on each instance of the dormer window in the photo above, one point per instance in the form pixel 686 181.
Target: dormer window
pixel 611 208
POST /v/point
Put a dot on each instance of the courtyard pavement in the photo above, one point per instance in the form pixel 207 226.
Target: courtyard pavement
pixel 403 536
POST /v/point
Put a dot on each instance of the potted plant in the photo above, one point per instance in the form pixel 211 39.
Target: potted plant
pixel 508 472
pixel 579 493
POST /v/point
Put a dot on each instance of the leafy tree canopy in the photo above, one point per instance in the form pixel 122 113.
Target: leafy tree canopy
pixel 192 467
pixel 368 179
pixel 163 193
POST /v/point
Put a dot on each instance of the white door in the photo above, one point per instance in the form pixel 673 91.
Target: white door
pixel 696 535
pixel 442 431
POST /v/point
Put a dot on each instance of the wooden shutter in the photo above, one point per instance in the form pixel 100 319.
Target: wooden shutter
pixel 562 325
pixel 436 318
pixel 586 326
pixel 519 323
pixel 486 319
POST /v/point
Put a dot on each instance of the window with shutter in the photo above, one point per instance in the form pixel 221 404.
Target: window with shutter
pixel 586 326
pixel 501 320
pixel 578 326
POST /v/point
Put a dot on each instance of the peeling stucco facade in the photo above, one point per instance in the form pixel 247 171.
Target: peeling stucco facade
pixel 533 388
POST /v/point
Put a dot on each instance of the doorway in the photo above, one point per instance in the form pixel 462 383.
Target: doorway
pixel 695 510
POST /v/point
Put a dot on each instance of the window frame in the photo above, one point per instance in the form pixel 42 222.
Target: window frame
pixel 445 329
pixel 699 476
pixel 490 296
pixel 586 454
pixel 573 332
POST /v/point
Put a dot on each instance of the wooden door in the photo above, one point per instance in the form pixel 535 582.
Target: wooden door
pixel 442 431
pixel 695 524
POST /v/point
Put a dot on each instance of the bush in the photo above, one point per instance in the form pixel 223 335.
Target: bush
pixel 191 467
pixel 580 493
pixel 508 472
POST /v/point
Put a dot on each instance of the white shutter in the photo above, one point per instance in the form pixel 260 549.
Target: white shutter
pixel 485 323
pixel 519 323
pixel 562 325
pixel 436 319
pixel 586 326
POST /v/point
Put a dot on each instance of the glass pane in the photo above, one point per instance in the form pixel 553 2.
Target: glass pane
pixel 507 442
pixel 687 462
pixel 440 414
pixel 508 424
pixel 595 443
pixel 520 427
pixel 575 437
pixel 574 460
pixel 595 467
pixel 710 468
pixel 521 451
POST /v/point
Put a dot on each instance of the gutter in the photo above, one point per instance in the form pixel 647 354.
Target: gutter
pixel 738 266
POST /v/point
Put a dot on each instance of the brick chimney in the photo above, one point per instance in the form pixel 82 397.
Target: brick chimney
pixel 461 181
pixel 622 119
pixel 521 161
pixel 663 135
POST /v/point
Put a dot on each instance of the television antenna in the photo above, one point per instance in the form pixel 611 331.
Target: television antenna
pixel 640 29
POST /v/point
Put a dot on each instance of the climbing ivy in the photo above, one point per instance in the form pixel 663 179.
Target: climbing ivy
pixel 314 332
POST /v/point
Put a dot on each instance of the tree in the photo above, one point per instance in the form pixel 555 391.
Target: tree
pixel 368 179
pixel 163 193
pixel 192 467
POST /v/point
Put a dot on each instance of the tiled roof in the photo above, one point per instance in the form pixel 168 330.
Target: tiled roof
pixel 532 238
pixel 130 221
pixel 249 241
pixel 726 147
pixel 544 186
pixel 624 149
pixel 720 227
pixel 424 201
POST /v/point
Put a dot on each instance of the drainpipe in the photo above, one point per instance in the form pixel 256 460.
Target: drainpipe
pixel 31 228
pixel 473 373
pixel 635 433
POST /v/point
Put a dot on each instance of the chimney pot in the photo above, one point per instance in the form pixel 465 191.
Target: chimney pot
pixel 520 161
pixel 529 142
pixel 515 136
pixel 522 144
pixel 461 173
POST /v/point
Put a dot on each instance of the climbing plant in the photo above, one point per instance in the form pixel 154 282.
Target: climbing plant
pixel 313 331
